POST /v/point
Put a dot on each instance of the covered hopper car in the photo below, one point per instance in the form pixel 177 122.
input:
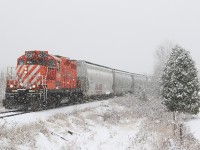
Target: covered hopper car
pixel 41 79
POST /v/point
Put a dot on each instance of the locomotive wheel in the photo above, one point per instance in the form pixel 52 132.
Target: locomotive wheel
pixel 73 99
pixel 34 104
pixel 76 99
pixel 79 100
pixel 58 100
pixel 51 101
pixel 8 103
pixel 4 102
pixel 25 106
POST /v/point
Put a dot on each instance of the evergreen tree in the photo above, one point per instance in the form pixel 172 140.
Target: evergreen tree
pixel 180 85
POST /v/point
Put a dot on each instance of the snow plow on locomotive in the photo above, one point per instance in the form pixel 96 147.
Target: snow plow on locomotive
pixel 43 80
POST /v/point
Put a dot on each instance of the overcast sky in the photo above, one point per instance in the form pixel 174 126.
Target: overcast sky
pixel 122 34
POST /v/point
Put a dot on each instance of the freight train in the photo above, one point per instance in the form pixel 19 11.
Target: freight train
pixel 41 80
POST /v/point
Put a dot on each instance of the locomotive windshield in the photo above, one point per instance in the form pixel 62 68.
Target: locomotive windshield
pixel 36 58
pixel 20 62
pixel 50 63
pixel 36 62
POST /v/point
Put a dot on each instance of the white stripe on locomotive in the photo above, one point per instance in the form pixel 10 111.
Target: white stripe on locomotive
pixel 24 74
pixel 20 72
pixel 35 79
pixel 31 74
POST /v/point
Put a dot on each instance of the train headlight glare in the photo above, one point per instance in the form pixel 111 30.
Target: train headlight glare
pixel 11 86
pixel 33 86
pixel 25 69
pixel 25 72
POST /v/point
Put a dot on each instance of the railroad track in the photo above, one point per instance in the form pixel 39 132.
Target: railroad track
pixel 11 113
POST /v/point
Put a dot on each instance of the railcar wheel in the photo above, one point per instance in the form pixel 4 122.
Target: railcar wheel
pixel 34 104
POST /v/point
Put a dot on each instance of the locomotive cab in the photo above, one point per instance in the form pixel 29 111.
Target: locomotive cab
pixel 40 79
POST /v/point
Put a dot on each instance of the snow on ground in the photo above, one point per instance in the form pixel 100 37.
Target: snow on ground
pixel 75 127
pixel 194 126
pixel 118 123
pixel 2 109
pixel 43 115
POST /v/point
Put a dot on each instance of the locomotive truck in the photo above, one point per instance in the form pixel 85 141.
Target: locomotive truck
pixel 41 80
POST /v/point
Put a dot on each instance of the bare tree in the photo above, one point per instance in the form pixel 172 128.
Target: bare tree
pixel 2 86
pixel 162 54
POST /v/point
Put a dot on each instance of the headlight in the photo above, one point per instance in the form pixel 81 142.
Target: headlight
pixel 25 69
pixel 25 72
pixel 11 86
pixel 33 86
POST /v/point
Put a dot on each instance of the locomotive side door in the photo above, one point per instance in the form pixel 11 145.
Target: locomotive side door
pixel 51 74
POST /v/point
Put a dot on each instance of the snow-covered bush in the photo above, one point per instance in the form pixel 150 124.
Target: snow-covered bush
pixel 180 85
pixel 2 87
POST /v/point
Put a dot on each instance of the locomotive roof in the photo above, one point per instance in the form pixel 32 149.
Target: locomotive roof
pixel 56 58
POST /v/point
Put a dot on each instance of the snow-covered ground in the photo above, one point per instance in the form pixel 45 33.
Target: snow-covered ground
pixel 194 125
pixel 118 123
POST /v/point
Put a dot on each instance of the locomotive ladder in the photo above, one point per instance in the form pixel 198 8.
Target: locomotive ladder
pixel 44 85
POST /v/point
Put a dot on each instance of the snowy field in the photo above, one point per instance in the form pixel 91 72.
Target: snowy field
pixel 119 123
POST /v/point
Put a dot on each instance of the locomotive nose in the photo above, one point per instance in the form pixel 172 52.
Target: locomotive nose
pixel 30 75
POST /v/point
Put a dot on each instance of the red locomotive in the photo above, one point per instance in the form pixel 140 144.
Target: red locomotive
pixel 40 79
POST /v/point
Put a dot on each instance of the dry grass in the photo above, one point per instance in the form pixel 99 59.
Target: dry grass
pixel 158 128
pixel 23 135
